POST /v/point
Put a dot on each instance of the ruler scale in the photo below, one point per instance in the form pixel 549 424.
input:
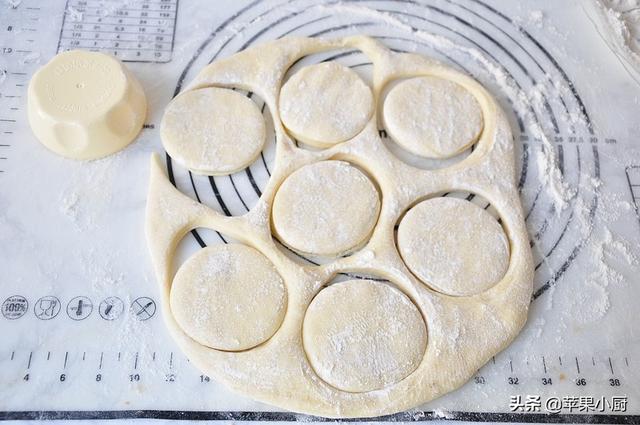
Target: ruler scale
pixel 18 51
pixel 83 371
pixel 536 372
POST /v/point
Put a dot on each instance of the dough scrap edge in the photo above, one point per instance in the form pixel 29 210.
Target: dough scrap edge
pixel 463 332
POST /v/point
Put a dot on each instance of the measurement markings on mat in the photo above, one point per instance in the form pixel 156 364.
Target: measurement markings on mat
pixel 633 179
pixel 136 32
pixel 602 376
pixel 18 26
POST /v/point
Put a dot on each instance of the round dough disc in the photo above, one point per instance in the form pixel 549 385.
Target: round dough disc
pixel 213 131
pixel 325 104
pixel 228 297
pixel 362 335
pixel 453 246
pixel 327 208
pixel 432 117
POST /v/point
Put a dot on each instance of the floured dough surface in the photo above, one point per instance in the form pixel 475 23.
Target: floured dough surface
pixel 453 246
pixel 358 348
pixel 325 104
pixel 213 131
pixel 228 297
pixel 432 117
pixel 362 335
pixel 326 209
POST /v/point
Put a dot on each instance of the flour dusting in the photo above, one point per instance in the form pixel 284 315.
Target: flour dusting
pixel 88 197
pixel 618 23
pixel 560 190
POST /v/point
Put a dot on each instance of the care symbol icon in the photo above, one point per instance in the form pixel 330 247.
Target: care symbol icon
pixel 15 307
pixel 79 308
pixel 46 308
pixel 143 308
pixel 111 308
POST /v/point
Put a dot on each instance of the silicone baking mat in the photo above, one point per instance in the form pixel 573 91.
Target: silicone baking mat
pixel 81 331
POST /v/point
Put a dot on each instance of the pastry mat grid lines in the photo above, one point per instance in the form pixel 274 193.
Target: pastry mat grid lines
pixel 11 117
pixel 214 181
pixel 633 180
pixel 130 33
pixel 157 201
pixel 539 55
pixel 547 251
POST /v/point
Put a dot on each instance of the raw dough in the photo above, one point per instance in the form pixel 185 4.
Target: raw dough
pixel 228 297
pixel 362 335
pixel 213 131
pixel 432 117
pixel 464 332
pixel 325 104
pixel 85 105
pixel 326 209
pixel 454 246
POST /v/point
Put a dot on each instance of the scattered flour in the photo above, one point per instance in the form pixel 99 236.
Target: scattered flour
pixel 443 414
pixel 561 192
pixel 592 302
pixel 536 18
pixel 30 58
pixel 13 4
pixel 618 23
pixel 74 14
pixel 87 198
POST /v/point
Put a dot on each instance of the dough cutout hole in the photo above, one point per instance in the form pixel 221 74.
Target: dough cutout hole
pixel 454 243
pixel 301 259
pixel 193 241
pixel 418 162
pixel 353 59
pixel 429 122
pixel 361 275
pixel 339 353
pixel 326 209
pixel 236 193
pixel 344 109
pixel 362 335
pixel 228 297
